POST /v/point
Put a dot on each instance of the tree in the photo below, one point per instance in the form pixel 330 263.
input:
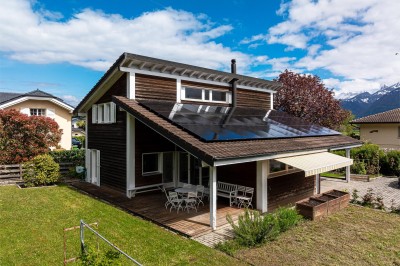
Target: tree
pixel 305 96
pixel 81 124
pixel 22 137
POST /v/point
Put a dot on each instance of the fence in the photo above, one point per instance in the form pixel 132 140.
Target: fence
pixel 12 171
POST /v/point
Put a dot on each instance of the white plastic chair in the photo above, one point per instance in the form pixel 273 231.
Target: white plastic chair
pixel 245 197
pixel 191 201
pixel 200 194
pixel 175 201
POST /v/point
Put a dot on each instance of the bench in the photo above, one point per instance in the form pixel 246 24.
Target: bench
pixel 133 191
pixel 227 190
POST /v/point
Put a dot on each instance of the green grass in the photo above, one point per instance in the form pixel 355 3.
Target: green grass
pixel 353 236
pixel 32 222
pixel 333 175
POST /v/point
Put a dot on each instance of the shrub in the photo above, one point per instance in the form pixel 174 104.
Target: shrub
pixel 253 228
pixel 74 156
pixel 94 257
pixel 82 139
pixel 390 164
pixel 229 247
pixel 358 168
pixel 287 218
pixel 370 155
pixel 41 170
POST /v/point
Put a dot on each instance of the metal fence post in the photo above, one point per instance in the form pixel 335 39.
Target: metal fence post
pixel 82 227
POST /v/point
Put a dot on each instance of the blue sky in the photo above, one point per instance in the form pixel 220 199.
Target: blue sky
pixel 64 46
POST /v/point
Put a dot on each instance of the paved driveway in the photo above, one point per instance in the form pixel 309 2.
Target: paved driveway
pixel 385 187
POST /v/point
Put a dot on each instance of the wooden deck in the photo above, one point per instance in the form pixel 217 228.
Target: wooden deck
pixel 150 206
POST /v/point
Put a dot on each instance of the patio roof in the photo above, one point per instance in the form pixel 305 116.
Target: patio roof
pixel 218 153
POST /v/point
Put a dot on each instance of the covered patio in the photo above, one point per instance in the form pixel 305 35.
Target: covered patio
pixel 150 206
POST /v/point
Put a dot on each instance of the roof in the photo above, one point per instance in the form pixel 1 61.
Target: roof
pixel 211 152
pixel 9 97
pixel 128 61
pixel 391 116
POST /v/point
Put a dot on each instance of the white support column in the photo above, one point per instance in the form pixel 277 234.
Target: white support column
pixel 262 186
pixel 130 153
pixel 131 79
pixel 213 197
pixel 178 90
pixel 272 101
pixel 348 167
pixel 318 183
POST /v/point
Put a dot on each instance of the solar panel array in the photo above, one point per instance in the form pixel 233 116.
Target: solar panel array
pixel 216 123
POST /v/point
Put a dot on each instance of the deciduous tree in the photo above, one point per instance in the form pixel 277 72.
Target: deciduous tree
pixel 22 137
pixel 305 96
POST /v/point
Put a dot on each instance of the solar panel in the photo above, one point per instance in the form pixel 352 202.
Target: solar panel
pixel 218 123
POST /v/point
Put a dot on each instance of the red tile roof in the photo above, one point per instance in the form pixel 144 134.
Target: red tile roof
pixel 211 152
pixel 391 116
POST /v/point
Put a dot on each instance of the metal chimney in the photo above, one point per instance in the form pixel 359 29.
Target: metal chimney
pixel 233 82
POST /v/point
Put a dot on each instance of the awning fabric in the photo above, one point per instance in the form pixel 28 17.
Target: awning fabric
pixel 317 163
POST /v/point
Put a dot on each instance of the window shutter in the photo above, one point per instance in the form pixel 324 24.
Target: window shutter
pixel 51 113
pixel 113 113
pixel 88 159
pixel 106 113
pixel 98 167
pixel 25 111
pixel 94 114
pixel 100 113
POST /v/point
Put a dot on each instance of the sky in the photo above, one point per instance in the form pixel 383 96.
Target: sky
pixel 64 46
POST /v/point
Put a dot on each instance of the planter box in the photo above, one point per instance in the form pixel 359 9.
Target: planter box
pixel 321 205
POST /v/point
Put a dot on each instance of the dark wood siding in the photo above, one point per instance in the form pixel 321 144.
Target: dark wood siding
pixel 110 139
pixel 255 99
pixel 288 189
pixel 156 88
pixel 146 141
pixel 118 88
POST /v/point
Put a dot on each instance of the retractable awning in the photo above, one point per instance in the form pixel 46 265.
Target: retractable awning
pixel 317 163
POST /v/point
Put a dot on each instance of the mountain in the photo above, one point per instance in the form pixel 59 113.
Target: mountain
pixel 365 103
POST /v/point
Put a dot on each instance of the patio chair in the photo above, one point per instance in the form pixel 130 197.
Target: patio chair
pixel 187 185
pixel 175 201
pixel 191 201
pixel 244 197
pixel 200 194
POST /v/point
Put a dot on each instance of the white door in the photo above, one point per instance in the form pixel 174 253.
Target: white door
pixel 95 167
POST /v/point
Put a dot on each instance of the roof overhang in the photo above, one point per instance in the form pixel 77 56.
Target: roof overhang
pixel 317 163
pixel 26 98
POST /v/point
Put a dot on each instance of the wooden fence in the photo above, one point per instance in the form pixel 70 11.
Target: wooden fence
pixel 12 171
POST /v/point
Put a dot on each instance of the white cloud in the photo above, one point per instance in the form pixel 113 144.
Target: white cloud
pixel 94 39
pixel 355 40
pixel 72 100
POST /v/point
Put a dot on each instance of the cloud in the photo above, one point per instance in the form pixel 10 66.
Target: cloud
pixel 353 40
pixel 94 39
pixel 72 100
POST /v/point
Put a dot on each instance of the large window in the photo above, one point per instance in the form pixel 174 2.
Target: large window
pixel 277 168
pixel 104 113
pixel 150 163
pixel 38 112
pixel 205 95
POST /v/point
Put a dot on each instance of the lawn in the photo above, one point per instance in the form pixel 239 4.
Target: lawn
pixel 32 222
pixel 333 175
pixel 354 236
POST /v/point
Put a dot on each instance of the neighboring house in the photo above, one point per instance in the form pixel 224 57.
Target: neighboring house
pixel 42 104
pixel 78 132
pixel 382 129
pixel 153 122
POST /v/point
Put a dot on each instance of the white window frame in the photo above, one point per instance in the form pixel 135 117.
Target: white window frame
pixel 288 170
pixel 36 111
pixel 159 164
pixel 203 94
pixel 104 113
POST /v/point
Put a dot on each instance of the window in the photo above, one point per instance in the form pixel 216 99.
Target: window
pixel 150 163
pixel 38 112
pixel 277 168
pixel 205 95
pixel 104 113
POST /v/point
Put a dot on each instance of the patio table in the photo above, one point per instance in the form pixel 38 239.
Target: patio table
pixel 185 190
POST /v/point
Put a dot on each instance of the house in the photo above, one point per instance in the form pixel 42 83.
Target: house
pixel 382 129
pixel 78 132
pixel 40 103
pixel 153 122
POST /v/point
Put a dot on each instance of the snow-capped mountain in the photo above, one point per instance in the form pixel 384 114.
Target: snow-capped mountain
pixel 365 103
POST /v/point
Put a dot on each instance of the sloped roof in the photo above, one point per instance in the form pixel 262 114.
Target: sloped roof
pixel 391 116
pixel 6 97
pixel 211 152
